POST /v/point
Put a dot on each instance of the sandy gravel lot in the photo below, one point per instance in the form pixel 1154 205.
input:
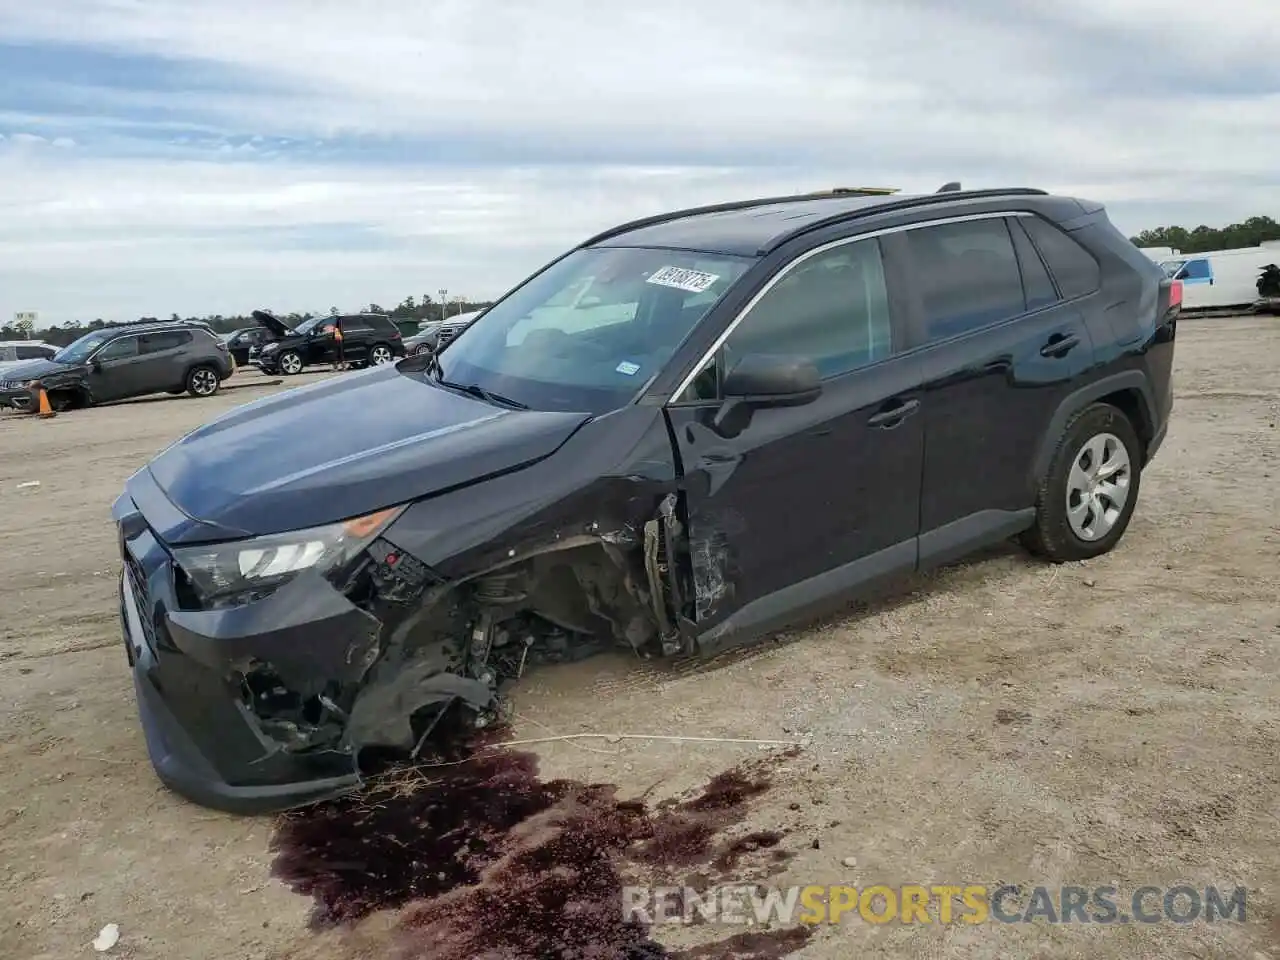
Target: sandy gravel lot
pixel 1115 722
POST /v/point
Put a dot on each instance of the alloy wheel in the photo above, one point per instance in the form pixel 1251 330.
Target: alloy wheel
pixel 1098 486
pixel 380 355
pixel 204 382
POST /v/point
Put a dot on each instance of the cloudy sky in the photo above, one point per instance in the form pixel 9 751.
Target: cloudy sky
pixel 211 156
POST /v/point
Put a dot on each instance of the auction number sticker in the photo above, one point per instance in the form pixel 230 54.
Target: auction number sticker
pixel 695 281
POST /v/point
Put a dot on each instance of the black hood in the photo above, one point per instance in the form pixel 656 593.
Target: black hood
pixel 274 324
pixel 345 447
pixel 34 370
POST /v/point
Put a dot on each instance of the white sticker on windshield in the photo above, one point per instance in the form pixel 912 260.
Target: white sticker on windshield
pixel 627 367
pixel 695 281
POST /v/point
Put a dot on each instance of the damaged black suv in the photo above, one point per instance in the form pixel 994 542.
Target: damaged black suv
pixel 689 431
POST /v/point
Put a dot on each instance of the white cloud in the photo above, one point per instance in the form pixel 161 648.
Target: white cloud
pixel 1137 103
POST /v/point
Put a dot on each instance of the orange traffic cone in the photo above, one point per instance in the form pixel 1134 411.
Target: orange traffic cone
pixel 42 400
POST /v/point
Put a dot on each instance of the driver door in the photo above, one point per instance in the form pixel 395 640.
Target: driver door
pixel 791 507
pixel 116 371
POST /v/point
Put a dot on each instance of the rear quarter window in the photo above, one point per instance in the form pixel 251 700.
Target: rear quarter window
pixel 1073 267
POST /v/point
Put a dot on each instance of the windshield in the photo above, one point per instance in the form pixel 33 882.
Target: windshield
pixel 78 350
pixel 1171 267
pixel 590 330
pixel 306 326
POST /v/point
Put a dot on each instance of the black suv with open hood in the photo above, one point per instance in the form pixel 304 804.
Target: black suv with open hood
pixel 688 432
pixel 366 339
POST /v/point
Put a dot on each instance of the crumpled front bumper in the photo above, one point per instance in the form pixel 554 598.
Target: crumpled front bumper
pixel 204 741
pixel 17 399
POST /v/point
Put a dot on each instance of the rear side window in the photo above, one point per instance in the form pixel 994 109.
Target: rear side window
pixel 1036 282
pixel 156 342
pixel 1072 266
pixel 35 353
pixel 383 325
pixel 968 274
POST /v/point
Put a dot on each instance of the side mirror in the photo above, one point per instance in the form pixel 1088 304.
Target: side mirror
pixel 95 366
pixel 773 381
pixel 758 381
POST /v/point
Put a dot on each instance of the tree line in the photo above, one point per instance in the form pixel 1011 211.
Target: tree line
pixel 1202 239
pixel 408 310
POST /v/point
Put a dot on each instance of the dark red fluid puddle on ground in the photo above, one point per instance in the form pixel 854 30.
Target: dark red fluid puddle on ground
pixel 495 864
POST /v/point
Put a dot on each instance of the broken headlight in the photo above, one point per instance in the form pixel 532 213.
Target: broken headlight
pixel 244 570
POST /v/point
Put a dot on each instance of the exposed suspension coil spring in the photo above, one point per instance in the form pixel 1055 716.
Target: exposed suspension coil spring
pixel 499 588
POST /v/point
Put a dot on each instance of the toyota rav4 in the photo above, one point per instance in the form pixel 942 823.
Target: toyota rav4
pixel 690 431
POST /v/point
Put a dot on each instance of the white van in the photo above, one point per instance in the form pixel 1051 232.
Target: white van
pixel 1220 279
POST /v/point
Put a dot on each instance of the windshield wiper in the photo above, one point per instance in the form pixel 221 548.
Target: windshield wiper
pixel 475 390
pixel 434 369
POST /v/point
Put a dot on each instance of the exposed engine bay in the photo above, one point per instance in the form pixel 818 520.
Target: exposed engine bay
pixel 437 648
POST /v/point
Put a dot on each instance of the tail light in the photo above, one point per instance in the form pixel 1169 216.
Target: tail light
pixel 1175 294
pixel 395 335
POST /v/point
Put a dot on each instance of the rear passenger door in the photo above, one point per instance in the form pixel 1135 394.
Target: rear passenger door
pixel 1001 346
pixel 357 334
pixel 163 360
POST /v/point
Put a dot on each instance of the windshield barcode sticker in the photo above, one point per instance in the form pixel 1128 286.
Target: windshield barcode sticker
pixel 695 281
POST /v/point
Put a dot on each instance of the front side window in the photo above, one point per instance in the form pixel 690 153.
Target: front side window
pixel 120 349
pixel 1195 270
pixel 968 276
pixel 830 309
pixel 591 329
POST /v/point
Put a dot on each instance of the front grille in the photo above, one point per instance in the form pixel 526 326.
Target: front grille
pixel 9 384
pixel 138 584
pixel 444 336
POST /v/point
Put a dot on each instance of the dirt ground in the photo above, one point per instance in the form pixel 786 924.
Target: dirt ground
pixel 1114 722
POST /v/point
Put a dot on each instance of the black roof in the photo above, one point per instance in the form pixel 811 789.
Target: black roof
pixel 754 227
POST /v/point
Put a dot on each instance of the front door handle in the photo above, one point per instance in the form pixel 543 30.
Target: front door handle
pixel 1060 345
pixel 894 415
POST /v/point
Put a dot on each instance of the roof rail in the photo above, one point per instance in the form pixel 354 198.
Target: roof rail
pixel 726 207
pixel 904 203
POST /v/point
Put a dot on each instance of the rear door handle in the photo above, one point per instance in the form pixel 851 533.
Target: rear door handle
pixel 894 415
pixel 1060 345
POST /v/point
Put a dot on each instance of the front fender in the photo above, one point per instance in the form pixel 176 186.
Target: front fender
pixel 609 477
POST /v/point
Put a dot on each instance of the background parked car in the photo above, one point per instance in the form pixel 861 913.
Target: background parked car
pixel 433 334
pixel 241 341
pixel 117 363
pixel 367 338
pixel 14 352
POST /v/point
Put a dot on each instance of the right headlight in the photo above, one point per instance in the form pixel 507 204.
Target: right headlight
pixel 240 571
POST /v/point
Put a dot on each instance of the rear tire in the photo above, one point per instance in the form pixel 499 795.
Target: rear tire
pixel 1089 493
pixel 380 354
pixel 203 381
